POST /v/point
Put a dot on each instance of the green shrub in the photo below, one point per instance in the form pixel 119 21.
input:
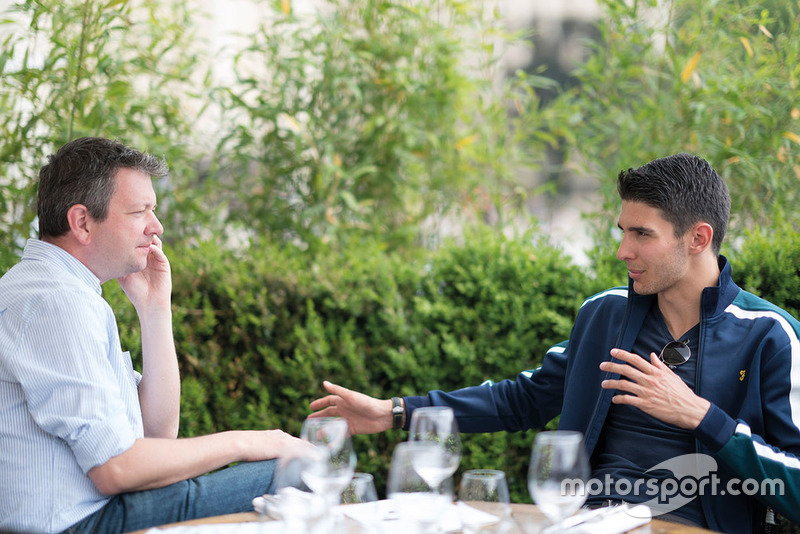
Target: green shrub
pixel 716 79
pixel 366 119
pixel 769 266
pixel 258 331
pixel 73 68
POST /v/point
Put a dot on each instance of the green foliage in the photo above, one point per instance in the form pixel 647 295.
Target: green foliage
pixel 363 119
pixel 769 266
pixel 258 332
pixel 717 79
pixel 75 68
pixel 483 302
pixel 341 132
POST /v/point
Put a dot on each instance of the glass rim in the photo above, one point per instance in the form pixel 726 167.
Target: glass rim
pixel 483 473
pixel 310 420
pixel 402 446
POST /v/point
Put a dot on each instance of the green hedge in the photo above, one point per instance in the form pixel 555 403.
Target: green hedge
pixel 258 330
pixel 769 266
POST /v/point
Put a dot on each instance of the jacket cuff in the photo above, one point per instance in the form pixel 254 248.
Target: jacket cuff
pixel 715 429
pixel 411 404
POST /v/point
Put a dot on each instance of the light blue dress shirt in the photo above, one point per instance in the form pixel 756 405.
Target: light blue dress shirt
pixel 68 393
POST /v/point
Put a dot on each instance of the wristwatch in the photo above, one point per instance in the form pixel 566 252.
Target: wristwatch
pixel 397 413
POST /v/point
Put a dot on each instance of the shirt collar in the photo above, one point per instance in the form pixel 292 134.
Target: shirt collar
pixel 38 250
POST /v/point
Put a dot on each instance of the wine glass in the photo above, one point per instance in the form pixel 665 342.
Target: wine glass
pixel 330 467
pixel 361 492
pixel 558 473
pixel 413 497
pixel 435 424
pixel 483 501
pixel 361 489
pixel 294 502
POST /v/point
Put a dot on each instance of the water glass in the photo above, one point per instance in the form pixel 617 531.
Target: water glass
pixel 335 460
pixel 300 509
pixel 412 496
pixel 436 424
pixel 361 489
pixel 558 473
pixel 483 501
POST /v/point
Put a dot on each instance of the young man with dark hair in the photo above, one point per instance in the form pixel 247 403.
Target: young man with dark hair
pixel 666 367
pixel 89 444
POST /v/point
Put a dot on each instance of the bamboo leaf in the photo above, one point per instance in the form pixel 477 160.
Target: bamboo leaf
pixel 791 136
pixel 690 66
pixel 746 44
pixel 465 141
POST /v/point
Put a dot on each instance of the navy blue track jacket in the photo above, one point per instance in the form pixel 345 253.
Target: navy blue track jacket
pixel 748 367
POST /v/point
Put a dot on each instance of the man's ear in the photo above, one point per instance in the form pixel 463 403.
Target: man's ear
pixel 79 223
pixel 701 236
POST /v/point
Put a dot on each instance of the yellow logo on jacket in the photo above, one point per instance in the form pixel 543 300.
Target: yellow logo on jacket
pixel 741 375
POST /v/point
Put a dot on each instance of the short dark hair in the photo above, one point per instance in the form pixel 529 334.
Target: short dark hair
pixel 685 188
pixel 82 172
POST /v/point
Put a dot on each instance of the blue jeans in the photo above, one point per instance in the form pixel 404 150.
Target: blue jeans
pixel 226 491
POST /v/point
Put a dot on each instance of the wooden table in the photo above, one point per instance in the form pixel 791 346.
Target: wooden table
pixel 523 513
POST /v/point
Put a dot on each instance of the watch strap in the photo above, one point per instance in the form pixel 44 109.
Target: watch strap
pixel 397 413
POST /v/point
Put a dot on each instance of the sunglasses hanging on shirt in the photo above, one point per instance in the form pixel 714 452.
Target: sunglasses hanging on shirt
pixel 675 353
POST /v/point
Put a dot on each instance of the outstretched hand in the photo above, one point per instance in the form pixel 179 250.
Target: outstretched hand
pixel 364 414
pixel 150 288
pixel 655 389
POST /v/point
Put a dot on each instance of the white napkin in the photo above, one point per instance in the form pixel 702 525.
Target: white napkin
pixel 292 501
